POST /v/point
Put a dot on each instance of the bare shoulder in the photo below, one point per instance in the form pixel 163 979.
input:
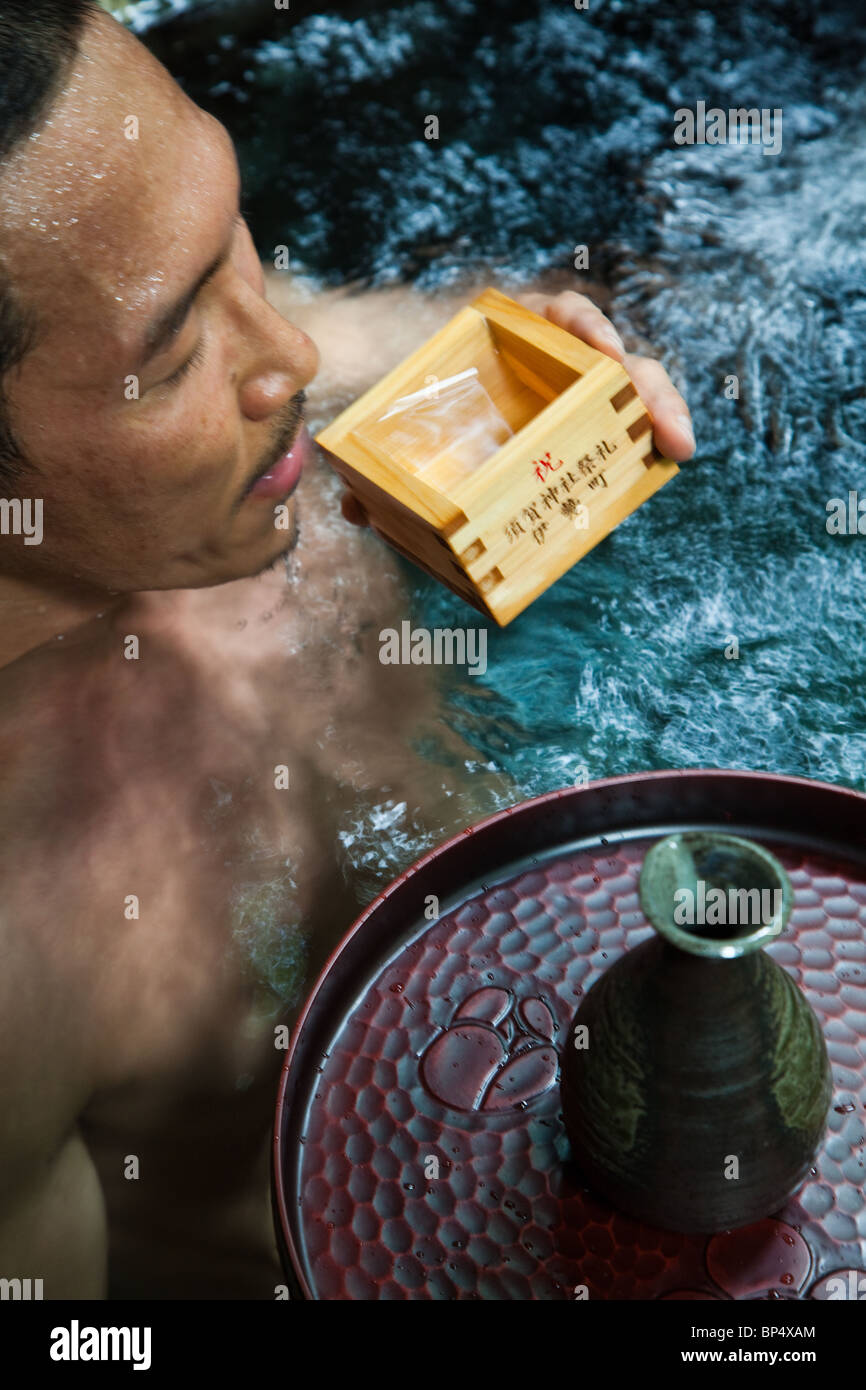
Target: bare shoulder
pixel 55 755
pixel 35 769
pixel 52 1217
pixel 49 700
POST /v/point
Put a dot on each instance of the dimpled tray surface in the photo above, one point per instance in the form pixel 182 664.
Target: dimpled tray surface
pixel 419 1146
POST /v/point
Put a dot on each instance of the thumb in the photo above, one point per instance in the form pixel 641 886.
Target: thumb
pixel 352 510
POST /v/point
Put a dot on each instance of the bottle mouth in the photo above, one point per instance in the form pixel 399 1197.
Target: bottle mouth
pixel 713 894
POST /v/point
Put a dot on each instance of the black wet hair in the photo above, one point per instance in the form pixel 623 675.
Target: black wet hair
pixel 38 43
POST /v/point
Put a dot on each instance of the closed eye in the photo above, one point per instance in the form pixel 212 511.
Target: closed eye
pixel 195 359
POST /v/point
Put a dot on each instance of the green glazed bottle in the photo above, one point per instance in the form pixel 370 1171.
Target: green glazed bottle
pixel 695 1080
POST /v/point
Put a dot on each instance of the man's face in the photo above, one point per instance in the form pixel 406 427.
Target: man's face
pixel 103 235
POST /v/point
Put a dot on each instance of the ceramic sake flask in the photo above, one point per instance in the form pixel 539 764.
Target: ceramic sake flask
pixel 695 1080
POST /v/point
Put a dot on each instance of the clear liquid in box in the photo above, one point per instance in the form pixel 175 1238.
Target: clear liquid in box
pixel 443 432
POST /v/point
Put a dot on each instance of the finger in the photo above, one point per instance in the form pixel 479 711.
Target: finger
pixel 672 422
pixel 536 302
pixel 352 510
pixel 578 315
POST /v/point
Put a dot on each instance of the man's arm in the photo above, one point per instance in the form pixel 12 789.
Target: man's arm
pixel 52 1213
pixel 52 1217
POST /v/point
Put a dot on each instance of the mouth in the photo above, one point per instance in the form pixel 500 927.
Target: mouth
pixel 283 477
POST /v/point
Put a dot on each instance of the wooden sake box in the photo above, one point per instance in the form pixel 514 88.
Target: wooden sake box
pixel 497 454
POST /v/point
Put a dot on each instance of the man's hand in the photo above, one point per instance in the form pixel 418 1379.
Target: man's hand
pixel 672 426
pixel 672 423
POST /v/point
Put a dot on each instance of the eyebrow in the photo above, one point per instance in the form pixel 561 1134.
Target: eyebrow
pixel 170 319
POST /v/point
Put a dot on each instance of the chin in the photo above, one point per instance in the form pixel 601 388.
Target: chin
pixel 243 560
pixel 283 542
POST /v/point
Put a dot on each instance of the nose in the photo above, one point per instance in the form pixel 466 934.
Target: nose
pixel 279 361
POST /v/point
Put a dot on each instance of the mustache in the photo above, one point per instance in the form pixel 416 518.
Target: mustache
pixel 290 423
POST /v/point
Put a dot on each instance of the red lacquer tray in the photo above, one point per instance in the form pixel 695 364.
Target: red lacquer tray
pixel 419 1150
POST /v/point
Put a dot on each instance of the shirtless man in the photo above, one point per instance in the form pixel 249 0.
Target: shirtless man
pixel 164 899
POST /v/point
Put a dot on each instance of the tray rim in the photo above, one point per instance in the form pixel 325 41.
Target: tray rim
pixel 283 1228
